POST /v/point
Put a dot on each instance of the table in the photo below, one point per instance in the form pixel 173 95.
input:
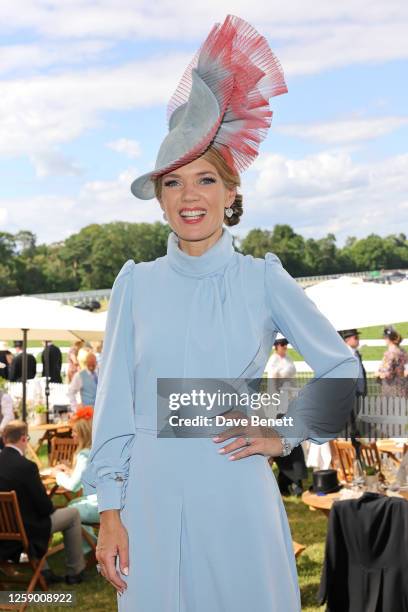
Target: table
pixel 391 448
pixel 325 502
pixel 49 430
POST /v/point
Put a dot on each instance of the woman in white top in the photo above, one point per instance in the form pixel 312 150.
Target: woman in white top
pixel 71 478
pixel 280 365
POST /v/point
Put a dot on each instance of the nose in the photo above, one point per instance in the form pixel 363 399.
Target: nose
pixel 190 192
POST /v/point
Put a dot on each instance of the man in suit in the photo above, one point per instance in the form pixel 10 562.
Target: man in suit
pixel 352 338
pixel 6 358
pixel 39 515
pixel 51 358
pixel 16 368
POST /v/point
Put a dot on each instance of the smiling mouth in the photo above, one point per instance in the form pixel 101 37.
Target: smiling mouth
pixel 193 214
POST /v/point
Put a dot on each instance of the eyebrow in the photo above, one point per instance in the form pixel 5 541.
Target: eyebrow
pixel 196 174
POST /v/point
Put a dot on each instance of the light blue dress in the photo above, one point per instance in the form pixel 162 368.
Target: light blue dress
pixel 206 534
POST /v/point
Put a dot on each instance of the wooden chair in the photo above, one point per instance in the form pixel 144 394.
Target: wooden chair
pixel 343 457
pixel 12 529
pixel 62 451
pixel 370 455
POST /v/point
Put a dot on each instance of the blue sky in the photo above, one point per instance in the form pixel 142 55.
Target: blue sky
pixel 83 92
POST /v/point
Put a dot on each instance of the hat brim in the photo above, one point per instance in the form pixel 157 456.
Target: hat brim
pixel 143 187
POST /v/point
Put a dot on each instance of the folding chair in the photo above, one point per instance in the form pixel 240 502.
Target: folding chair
pixel 12 529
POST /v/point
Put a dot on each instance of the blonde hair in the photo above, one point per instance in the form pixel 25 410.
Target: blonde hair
pixel 82 357
pixel 83 429
pixel 230 179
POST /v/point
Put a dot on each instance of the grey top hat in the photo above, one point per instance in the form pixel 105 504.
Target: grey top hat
pixel 222 100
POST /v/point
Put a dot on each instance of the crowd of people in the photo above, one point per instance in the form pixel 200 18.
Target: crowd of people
pixel 81 374
pixel 392 374
pixel 17 473
pixel 40 518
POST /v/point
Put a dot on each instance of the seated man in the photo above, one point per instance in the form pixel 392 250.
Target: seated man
pixel 39 516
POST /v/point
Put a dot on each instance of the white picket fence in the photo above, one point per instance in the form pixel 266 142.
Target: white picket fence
pixel 35 390
pixel 385 417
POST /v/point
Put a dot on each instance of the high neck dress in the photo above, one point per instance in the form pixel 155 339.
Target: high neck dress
pixel 206 534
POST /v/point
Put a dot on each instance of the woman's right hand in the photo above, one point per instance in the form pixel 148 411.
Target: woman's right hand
pixel 113 541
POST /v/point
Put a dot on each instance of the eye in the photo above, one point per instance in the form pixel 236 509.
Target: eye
pixel 170 183
pixel 208 180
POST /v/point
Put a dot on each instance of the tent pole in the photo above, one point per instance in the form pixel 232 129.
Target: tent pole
pixel 47 380
pixel 24 375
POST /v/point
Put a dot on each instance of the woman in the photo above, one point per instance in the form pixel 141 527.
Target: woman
pixel 280 365
pixel 71 478
pixel 197 524
pixel 73 364
pixel 392 369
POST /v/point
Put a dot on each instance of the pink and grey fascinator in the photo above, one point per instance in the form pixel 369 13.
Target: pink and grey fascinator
pixel 222 100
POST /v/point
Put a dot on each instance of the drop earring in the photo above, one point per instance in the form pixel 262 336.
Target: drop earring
pixel 164 216
pixel 229 212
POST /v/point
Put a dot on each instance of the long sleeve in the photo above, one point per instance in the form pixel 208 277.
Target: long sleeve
pixel 73 481
pixel 75 387
pixel 114 425
pixel 7 412
pixel 323 405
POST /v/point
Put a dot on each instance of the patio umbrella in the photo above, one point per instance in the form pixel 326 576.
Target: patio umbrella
pixel 350 302
pixel 28 318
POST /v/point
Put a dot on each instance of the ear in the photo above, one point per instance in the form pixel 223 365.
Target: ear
pixel 232 194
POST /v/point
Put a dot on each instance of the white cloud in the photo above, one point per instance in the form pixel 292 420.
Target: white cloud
pixel 312 176
pixel 42 112
pixel 54 163
pixel 105 201
pixel 53 217
pixel 27 57
pixel 3 216
pixel 327 192
pixel 309 38
pixel 344 131
pixel 130 148
pixel 50 217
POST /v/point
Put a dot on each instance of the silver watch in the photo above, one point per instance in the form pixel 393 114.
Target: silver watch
pixel 286 446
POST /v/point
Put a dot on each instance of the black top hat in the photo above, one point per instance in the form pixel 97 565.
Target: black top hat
pixel 325 481
pixel 348 333
pixel 281 342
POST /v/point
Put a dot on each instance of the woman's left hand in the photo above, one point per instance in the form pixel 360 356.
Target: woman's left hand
pixel 249 440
